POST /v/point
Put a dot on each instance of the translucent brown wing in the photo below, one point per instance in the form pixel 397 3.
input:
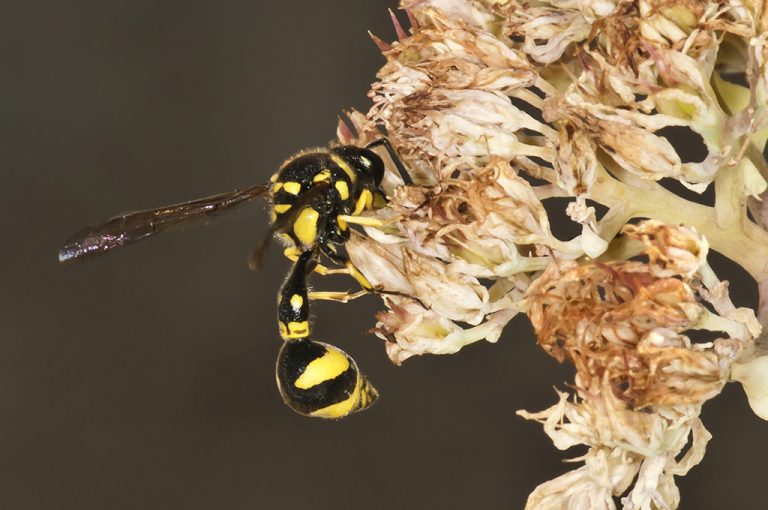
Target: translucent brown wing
pixel 285 220
pixel 130 227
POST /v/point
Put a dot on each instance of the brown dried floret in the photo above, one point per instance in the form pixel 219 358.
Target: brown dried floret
pixel 575 161
pixel 672 251
pixel 621 323
pixel 485 221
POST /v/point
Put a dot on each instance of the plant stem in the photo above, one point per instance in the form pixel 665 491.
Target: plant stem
pixel 743 242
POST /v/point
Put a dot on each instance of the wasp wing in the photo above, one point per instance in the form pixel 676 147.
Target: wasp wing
pixel 130 227
pixel 284 221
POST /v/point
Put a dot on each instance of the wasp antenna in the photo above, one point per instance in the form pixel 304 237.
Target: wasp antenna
pixel 401 34
pixel 411 19
pixel 383 46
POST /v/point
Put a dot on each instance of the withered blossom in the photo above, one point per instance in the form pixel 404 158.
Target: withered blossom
pixel 498 106
pixel 671 251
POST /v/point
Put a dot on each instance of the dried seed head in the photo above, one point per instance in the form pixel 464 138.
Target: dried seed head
pixel 496 107
pixel 673 251
pixel 575 161
pixel 621 324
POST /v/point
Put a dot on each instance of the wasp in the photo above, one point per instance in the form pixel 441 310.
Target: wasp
pixel 315 196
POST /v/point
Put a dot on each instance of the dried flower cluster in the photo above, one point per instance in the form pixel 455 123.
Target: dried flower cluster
pixel 499 106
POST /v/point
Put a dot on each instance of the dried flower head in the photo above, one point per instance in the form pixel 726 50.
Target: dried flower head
pixel 498 106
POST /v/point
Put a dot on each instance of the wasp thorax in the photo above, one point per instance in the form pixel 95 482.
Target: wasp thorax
pixel 320 380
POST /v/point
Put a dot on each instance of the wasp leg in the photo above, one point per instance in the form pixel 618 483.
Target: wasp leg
pixel 292 253
pixel 350 268
pixel 361 220
pixel 395 158
pixel 364 201
pixel 345 296
pixel 293 302
pixel 353 271
pixel 340 296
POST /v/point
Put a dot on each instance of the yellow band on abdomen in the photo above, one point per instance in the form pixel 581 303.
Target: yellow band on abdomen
pixel 325 368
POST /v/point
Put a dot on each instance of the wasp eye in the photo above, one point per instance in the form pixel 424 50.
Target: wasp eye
pixel 320 380
pixel 366 163
pixel 374 165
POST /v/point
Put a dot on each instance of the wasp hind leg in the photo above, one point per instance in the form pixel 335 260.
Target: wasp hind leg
pixel 349 268
pixel 339 296
pixel 354 272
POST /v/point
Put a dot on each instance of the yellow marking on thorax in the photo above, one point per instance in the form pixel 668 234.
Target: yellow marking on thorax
pixel 343 189
pixel 364 201
pixel 325 368
pixel 281 208
pixel 292 187
pixel 277 187
pixel 342 408
pixel 324 175
pixel 305 226
pixel 274 177
pixel 344 166
pixel 297 302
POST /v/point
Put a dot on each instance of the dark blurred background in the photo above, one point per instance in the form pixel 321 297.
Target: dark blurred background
pixel 145 379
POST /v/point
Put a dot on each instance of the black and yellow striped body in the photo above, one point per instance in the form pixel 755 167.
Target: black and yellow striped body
pixel 314 196
pixel 324 185
pixel 319 380
pixel 311 193
pixel 293 301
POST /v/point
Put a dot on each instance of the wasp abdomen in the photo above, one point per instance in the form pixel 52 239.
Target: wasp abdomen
pixel 293 301
pixel 318 379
